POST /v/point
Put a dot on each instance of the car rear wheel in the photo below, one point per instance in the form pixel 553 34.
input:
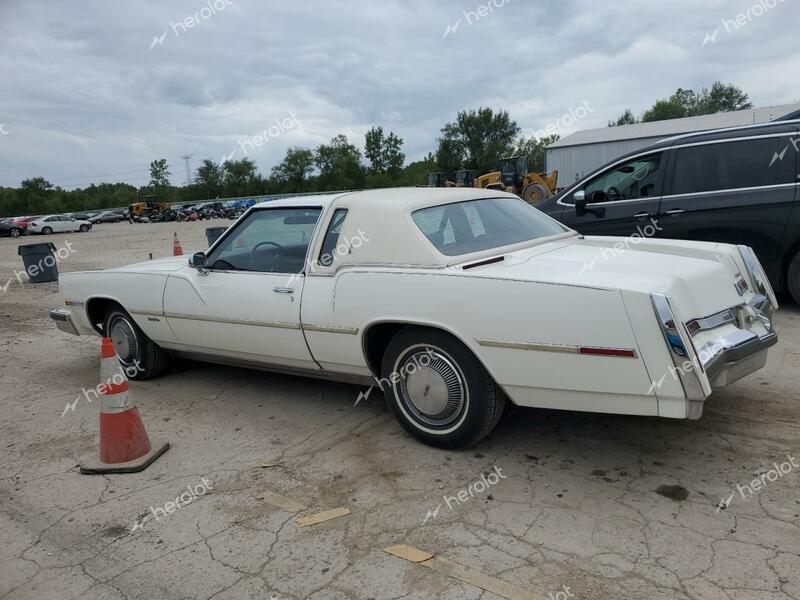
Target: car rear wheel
pixel 15 232
pixel 439 390
pixel 47 230
pixel 138 354
pixel 793 278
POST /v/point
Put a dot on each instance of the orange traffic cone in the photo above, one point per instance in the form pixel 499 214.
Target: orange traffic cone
pixel 124 445
pixel 176 245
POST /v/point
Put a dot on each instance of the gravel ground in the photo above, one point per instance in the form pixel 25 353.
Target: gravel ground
pixel 587 506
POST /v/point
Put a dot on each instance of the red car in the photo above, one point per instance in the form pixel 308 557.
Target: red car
pixel 17 226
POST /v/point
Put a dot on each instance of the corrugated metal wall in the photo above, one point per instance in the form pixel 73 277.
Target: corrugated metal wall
pixel 573 162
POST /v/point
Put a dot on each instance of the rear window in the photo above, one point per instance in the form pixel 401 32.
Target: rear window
pixel 476 225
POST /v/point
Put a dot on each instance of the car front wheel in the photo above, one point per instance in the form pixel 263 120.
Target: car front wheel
pixel 138 354
pixel 439 390
pixel 47 230
pixel 84 228
pixel 15 232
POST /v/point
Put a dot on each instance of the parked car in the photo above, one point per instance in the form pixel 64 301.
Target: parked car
pixel 57 224
pixel 735 186
pixel 9 228
pixel 84 216
pixel 17 226
pixel 107 216
pixel 454 300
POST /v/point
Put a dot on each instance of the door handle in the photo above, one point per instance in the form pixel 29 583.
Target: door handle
pixel 675 212
pixel 283 290
pixel 642 215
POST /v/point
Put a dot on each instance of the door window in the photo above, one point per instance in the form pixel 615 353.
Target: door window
pixel 732 165
pixel 268 241
pixel 638 178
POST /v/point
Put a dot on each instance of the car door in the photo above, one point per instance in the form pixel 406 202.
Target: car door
pixel 736 190
pixel 68 224
pixel 245 303
pixel 620 200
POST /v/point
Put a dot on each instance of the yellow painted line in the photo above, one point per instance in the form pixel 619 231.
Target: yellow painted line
pixel 321 517
pixel 281 502
pixel 462 573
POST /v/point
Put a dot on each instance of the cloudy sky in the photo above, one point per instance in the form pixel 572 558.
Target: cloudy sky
pixel 95 90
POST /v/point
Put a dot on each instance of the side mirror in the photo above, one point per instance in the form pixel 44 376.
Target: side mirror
pixel 198 260
pixel 580 202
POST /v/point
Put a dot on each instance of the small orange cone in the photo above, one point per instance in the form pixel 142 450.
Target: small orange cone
pixel 176 245
pixel 124 445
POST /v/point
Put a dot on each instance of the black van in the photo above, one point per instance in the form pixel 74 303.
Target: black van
pixel 738 186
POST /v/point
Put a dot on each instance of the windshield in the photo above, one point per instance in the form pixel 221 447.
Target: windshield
pixel 476 225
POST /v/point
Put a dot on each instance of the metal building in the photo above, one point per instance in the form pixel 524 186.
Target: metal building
pixel 582 152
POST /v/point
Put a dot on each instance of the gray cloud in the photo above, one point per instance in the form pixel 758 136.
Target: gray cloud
pixel 82 94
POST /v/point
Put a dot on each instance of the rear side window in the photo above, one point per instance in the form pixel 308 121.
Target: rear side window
pixel 733 165
pixel 326 254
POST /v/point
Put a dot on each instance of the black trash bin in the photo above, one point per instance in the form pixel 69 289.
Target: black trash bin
pixel 40 261
pixel 213 233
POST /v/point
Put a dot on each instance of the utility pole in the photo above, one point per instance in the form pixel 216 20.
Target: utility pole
pixel 186 158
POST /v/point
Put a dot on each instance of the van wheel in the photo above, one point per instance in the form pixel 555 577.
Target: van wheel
pixel 141 357
pixel 439 390
pixel 793 278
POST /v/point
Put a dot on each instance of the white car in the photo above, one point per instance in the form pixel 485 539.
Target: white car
pixel 455 301
pixel 57 224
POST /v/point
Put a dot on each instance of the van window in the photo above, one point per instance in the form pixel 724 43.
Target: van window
pixel 638 178
pixel 732 165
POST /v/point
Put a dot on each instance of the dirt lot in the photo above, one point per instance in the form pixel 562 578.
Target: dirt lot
pixel 575 515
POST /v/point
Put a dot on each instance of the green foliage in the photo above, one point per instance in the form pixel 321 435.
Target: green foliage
pixel 293 172
pixel 339 164
pixel 533 149
pixel 626 118
pixel 384 153
pixel 476 140
pixel 721 97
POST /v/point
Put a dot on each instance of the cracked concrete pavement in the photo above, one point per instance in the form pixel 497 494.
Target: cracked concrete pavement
pixel 577 506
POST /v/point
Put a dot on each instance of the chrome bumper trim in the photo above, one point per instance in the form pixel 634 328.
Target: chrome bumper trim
pixel 733 349
pixel 63 319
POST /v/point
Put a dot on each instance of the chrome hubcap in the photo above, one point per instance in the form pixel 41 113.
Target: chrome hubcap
pixel 124 340
pixel 431 387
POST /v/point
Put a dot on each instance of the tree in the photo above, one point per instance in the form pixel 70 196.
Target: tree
pixel 294 169
pixel 665 109
pixel 159 173
pixel 476 140
pixel 241 178
pixel 36 192
pixel 209 178
pixel 339 164
pixel 384 152
pixel 723 98
pixel 533 149
pixel 688 103
pixel 626 118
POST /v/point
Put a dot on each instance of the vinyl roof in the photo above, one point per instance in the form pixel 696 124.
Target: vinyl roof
pixel 671 127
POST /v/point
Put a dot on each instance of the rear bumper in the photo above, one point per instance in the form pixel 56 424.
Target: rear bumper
pixel 742 355
pixel 63 320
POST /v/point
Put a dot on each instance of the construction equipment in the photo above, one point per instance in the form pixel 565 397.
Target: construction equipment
pixel 146 205
pixel 513 176
pixel 465 178
pixel 438 179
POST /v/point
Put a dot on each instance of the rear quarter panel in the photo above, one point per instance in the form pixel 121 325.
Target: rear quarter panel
pixel 475 308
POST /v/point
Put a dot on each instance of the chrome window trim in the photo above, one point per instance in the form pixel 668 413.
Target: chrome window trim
pixel 687 145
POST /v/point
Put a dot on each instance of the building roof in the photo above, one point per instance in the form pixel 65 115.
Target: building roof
pixel 671 127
